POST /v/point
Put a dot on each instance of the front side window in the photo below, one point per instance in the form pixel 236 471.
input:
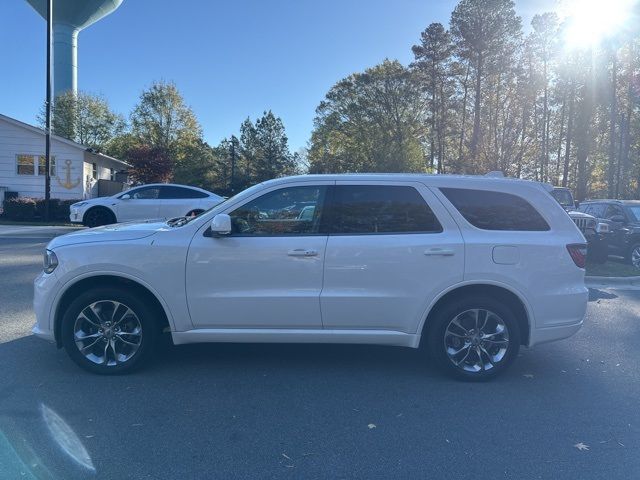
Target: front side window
pixel 489 210
pixel 287 211
pixel 373 209
pixel 612 211
pixel 146 193
pixel 25 165
pixel 634 212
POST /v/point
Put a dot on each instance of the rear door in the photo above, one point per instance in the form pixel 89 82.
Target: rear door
pixel 392 249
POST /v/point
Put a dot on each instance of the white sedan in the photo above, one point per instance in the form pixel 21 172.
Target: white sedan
pixel 152 201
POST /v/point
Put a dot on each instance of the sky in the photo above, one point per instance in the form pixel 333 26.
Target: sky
pixel 230 60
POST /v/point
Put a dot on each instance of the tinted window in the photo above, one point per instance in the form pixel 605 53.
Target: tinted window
pixel 595 209
pixel 357 209
pixel 145 193
pixel 613 210
pixel 634 212
pixel 495 210
pixel 172 192
pixel 288 211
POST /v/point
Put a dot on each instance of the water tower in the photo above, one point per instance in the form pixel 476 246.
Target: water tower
pixel 69 17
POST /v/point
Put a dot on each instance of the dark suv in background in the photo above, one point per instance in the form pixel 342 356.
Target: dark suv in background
pixel 594 231
pixel 623 218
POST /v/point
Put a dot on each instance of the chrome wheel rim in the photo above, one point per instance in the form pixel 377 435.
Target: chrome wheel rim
pixel 476 340
pixel 635 257
pixel 107 332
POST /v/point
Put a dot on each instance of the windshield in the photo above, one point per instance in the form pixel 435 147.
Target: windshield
pixel 634 212
pixel 563 197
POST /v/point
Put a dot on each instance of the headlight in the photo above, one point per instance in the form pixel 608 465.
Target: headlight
pixel 50 261
pixel 79 204
pixel 602 227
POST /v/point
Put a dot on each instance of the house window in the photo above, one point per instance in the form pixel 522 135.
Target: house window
pixel 42 162
pixel 94 171
pixel 25 164
pixel 112 174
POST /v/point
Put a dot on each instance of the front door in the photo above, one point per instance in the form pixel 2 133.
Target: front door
pixel 392 249
pixel 143 204
pixel 268 272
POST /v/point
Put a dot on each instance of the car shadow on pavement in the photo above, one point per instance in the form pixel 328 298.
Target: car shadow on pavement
pixel 596 294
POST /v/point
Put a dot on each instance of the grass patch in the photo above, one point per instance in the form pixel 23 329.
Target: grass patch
pixel 612 268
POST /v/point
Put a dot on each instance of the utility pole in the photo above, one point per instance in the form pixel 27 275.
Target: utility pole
pixel 47 161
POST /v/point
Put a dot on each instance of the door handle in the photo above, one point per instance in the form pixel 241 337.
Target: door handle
pixel 302 252
pixel 443 252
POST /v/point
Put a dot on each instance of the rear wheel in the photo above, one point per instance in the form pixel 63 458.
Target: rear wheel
pixel 98 216
pixel 474 339
pixel 108 331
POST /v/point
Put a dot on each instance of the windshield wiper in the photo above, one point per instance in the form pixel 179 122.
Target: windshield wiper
pixel 178 221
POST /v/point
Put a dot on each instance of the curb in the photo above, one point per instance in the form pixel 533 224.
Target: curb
pixel 596 280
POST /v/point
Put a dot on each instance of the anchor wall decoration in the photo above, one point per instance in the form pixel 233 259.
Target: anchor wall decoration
pixel 68 184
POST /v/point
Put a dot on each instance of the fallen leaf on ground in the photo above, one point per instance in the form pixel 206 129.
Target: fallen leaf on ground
pixel 581 446
pixel 371 425
pixel 286 456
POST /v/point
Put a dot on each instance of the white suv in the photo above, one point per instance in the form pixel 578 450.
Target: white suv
pixel 469 267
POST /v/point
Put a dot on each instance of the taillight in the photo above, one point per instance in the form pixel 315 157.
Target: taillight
pixel 578 252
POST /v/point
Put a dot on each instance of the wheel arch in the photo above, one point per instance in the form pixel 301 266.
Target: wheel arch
pixel 99 207
pixel 501 292
pixel 107 280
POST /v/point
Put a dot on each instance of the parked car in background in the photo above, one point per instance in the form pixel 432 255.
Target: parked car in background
pixel 146 202
pixel 623 220
pixel 468 267
pixel 596 233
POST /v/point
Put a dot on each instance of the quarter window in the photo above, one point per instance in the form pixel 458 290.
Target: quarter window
pixel 288 211
pixel 490 210
pixel 373 209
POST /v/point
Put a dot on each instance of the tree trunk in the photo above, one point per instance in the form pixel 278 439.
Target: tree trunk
pixel 464 117
pixel 613 114
pixel 567 149
pixel 475 136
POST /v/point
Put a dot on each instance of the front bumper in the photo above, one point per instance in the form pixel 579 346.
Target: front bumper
pixel 75 216
pixel 43 296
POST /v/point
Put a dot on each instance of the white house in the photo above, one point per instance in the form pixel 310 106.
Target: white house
pixel 76 171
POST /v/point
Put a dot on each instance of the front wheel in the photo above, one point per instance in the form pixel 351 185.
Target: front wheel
pixel 474 339
pixel 108 331
pixel 98 216
pixel 634 256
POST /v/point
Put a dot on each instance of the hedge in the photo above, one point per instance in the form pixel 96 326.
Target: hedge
pixel 32 209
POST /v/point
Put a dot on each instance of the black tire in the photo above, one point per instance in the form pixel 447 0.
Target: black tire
pixel 630 256
pixel 439 344
pixel 98 216
pixel 101 296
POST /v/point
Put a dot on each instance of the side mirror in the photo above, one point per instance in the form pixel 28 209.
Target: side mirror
pixel 126 196
pixel 221 224
pixel 617 219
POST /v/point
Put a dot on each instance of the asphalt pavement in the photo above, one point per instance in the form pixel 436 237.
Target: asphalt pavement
pixel 569 409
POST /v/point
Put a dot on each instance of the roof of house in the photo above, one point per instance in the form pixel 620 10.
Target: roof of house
pixel 66 141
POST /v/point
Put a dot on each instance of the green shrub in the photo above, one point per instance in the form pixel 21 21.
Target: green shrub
pixel 33 209
pixel 21 208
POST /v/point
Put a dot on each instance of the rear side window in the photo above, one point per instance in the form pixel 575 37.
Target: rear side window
pixel 495 210
pixel 173 192
pixel 371 209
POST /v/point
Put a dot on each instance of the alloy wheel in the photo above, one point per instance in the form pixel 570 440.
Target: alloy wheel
pixel 635 257
pixel 107 332
pixel 476 340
